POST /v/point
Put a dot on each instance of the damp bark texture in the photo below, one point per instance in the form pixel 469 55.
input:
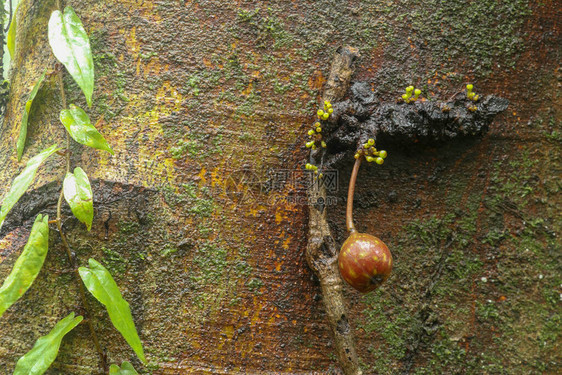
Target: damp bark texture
pixel 322 251
pixel 199 216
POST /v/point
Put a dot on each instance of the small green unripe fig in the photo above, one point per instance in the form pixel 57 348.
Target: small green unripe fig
pixel 364 262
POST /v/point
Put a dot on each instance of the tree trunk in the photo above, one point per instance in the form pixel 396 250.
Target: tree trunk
pixel 201 217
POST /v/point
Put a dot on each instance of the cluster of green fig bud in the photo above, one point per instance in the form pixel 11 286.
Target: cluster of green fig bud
pixel 408 98
pixel 315 134
pixel 313 168
pixel 324 114
pixel 470 94
pixel 315 137
pixel 371 153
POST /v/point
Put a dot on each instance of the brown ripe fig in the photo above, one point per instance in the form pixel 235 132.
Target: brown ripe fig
pixel 364 261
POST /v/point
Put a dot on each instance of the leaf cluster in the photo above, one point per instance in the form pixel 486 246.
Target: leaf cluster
pixel 71 46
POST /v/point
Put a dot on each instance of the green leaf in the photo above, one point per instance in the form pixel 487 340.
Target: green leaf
pixel 22 182
pixel 126 369
pixel 78 195
pixel 78 124
pixel 28 264
pixel 99 282
pixel 71 46
pixel 42 355
pixel 25 117
pixel 11 37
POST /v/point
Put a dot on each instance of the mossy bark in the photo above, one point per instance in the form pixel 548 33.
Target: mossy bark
pixel 207 104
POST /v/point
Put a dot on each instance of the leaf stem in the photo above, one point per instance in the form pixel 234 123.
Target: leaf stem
pixel 69 253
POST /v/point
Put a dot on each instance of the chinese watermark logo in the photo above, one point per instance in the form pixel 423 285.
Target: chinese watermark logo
pixel 279 186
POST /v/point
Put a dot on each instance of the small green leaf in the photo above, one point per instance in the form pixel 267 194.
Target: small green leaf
pixel 42 355
pixel 28 264
pixel 71 46
pixel 25 116
pixel 78 124
pixel 22 182
pixel 78 195
pixel 11 37
pixel 99 282
pixel 126 369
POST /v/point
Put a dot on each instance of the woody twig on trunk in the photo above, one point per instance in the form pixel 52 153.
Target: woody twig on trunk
pixel 322 252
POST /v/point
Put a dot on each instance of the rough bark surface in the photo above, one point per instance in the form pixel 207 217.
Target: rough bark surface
pixel 200 216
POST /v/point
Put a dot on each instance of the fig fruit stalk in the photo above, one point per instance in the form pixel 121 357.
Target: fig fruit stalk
pixel 365 262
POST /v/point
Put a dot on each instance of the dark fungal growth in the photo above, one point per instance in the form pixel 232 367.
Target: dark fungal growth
pixel 363 116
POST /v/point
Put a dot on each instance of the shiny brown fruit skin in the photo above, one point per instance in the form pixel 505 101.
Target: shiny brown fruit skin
pixel 364 261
